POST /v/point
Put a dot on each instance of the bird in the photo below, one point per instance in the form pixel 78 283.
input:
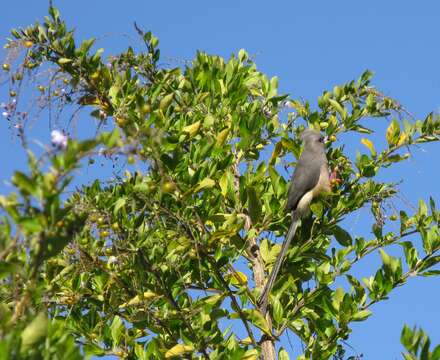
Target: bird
pixel 309 180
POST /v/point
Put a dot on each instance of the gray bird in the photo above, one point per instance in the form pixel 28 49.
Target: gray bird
pixel 310 178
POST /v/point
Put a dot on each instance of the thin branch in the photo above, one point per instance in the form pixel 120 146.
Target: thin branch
pixel 202 344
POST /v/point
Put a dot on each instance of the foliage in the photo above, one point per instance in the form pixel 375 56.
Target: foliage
pixel 169 260
pixel 417 344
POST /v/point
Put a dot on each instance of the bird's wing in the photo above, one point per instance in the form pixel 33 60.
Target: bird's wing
pixel 304 179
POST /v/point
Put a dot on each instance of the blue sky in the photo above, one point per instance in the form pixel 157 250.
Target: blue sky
pixel 311 46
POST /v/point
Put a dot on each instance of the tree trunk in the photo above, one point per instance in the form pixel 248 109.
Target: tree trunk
pixel 267 345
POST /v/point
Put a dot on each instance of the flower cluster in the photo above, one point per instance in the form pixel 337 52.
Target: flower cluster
pixel 58 139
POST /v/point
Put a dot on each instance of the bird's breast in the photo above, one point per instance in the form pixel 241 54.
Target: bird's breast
pixel 323 184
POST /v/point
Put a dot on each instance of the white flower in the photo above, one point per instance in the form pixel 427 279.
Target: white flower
pixel 58 139
pixel 112 259
pixel 5 114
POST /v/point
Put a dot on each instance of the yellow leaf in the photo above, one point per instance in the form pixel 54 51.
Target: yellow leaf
pixel 204 184
pixel 275 153
pixel 338 107
pixel 237 278
pixel 63 61
pixel 209 120
pixel 165 102
pixel 250 355
pixel 222 86
pixel 221 234
pixel 224 183
pixel 402 139
pixel 192 129
pixel 138 299
pixel 213 299
pixel 393 132
pixel 369 144
pixel 337 298
pixel 246 341
pixel 178 350
pixel 221 137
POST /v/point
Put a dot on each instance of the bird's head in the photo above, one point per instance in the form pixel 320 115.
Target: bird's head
pixel 311 137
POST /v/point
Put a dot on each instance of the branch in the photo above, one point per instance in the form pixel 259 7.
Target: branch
pixel 173 302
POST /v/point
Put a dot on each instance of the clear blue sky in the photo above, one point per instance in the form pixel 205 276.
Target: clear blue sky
pixel 310 46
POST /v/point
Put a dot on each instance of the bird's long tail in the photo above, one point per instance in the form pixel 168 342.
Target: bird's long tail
pixel 262 302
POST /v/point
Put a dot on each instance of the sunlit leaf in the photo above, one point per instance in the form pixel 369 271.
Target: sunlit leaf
pixel 178 350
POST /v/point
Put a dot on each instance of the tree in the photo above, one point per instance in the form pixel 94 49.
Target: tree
pixel 168 261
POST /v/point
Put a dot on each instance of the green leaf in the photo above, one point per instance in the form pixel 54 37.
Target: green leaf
pixel 342 236
pixel 337 298
pixel 264 250
pixel 258 320
pixel 386 259
pixel 34 332
pixel 317 208
pixel 91 349
pixel 117 328
pixel 24 183
pixel 273 87
pixel 98 54
pixel 251 354
pixel 278 311
pixel 119 204
pixel 338 108
pixel 423 209
pixel 112 139
pixel 406 336
pixel 113 93
pixel 166 101
pixel 206 183
pixel 30 225
pixel 361 315
pixel 242 55
pixel 283 354
pixel 254 205
pixel 86 45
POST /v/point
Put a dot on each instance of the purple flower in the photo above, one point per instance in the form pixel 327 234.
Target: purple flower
pixel 59 139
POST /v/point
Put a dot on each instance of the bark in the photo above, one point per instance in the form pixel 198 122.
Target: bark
pixel 267 344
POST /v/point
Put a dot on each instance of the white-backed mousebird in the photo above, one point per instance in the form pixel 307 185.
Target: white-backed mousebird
pixel 310 178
